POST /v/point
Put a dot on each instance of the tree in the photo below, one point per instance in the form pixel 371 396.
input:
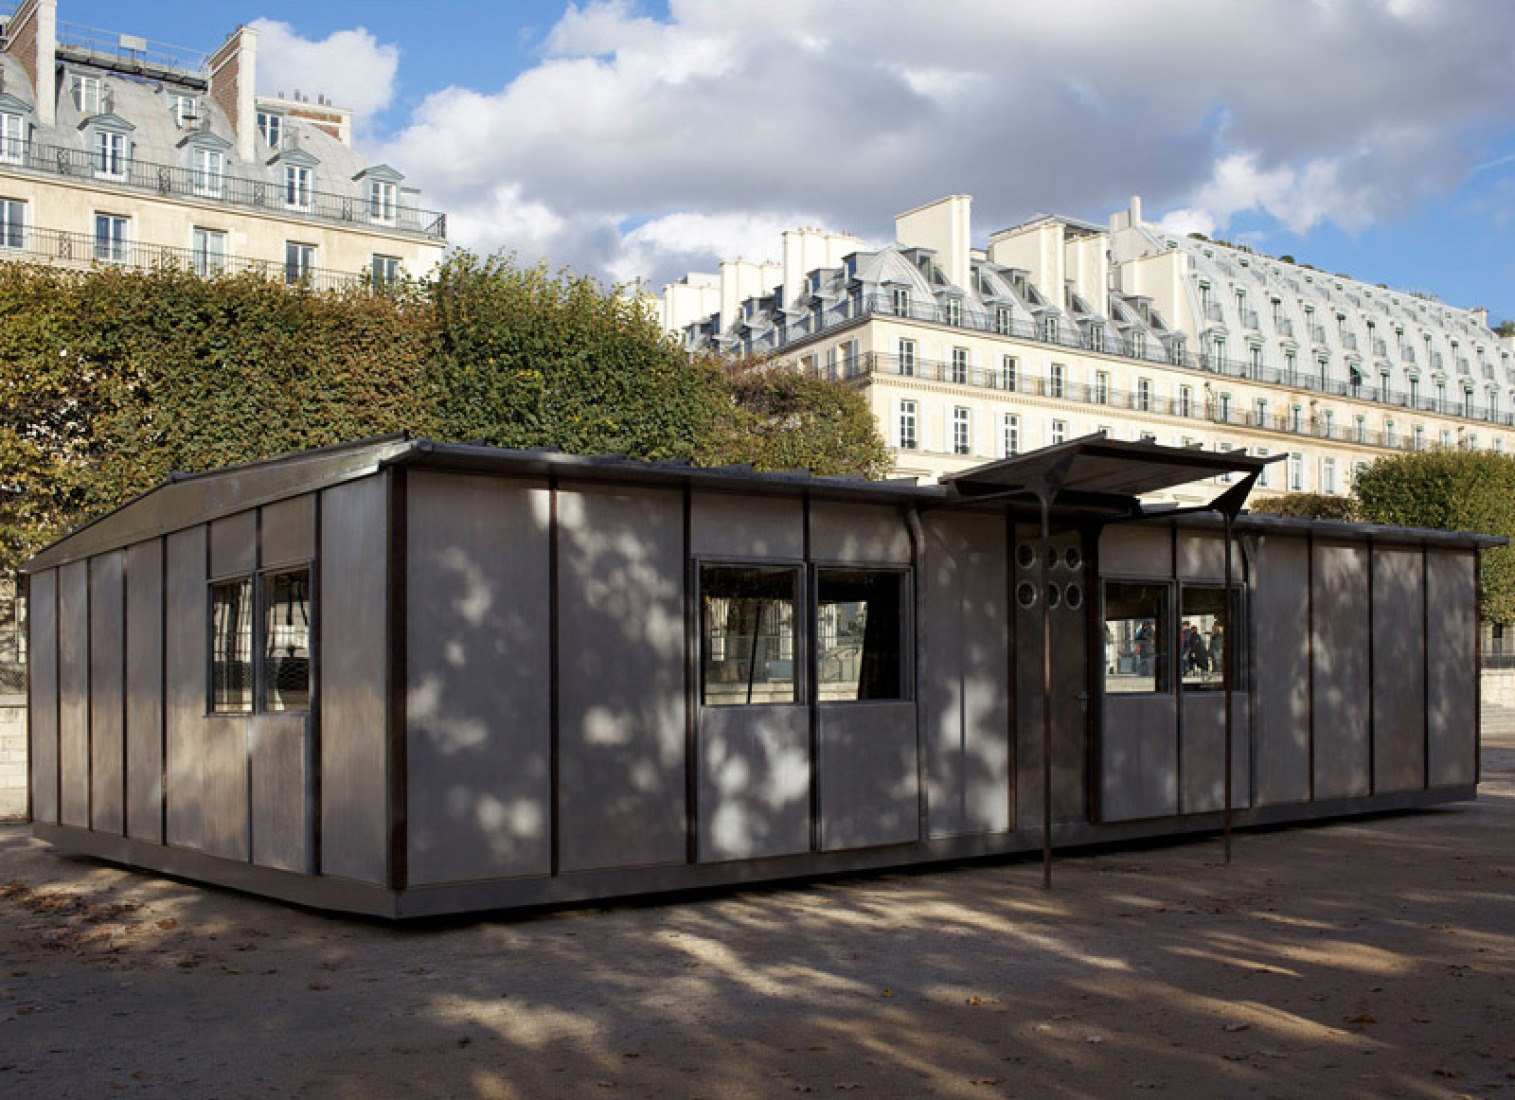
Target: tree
pixel 1306 505
pixel 528 358
pixel 783 419
pixel 112 379
pixel 1453 491
pixel 1505 328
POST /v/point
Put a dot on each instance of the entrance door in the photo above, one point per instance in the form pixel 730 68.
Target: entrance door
pixel 1066 594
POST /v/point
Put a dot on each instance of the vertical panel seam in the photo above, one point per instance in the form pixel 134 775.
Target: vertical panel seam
pixel 691 686
pixel 397 606
pixel 812 680
pixel 554 686
pixel 1310 627
pixel 313 827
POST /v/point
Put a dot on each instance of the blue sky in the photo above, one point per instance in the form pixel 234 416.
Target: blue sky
pixel 1375 138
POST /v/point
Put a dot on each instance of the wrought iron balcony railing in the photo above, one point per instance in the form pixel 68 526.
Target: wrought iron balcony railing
pixel 84 249
pixel 251 194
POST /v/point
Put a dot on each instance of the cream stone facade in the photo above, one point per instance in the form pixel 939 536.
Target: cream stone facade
pixel 115 150
pixel 1058 328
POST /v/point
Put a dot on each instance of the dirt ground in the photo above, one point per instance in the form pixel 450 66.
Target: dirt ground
pixel 1368 958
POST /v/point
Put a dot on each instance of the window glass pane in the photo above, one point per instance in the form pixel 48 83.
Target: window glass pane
pixel 231 626
pixel 860 634
pixel 748 634
pixel 286 641
pixel 1204 657
pixel 1136 638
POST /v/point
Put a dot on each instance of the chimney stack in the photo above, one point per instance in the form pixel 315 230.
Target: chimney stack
pixel 233 87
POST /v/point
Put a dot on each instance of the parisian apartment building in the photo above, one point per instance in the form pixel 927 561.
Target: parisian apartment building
pixel 970 350
pixel 117 150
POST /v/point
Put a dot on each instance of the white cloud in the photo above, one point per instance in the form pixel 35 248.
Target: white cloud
pixel 350 67
pixel 715 125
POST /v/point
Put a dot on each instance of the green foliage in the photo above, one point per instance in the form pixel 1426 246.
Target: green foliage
pixel 785 420
pixel 1505 328
pixel 111 379
pixel 526 358
pixel 1305 505
pixel 1454 491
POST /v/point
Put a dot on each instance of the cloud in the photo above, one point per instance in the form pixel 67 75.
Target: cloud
pixel 649 145
pixel 350 67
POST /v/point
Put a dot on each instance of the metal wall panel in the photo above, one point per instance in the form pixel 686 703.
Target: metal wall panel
pixel 355 644
pixel 1136 551
pixel 1202 752
pixel 1340 624
pixel 1203 558
pixel 964 671
pixel 1139 757
pixel 869 778
pixel 1452 690
pixel 223 749
pixel 288 532
pixel 283 802
pixel 1399 672
pixel 480 737
pixel 1071 782
pixel 42 712
pixel 1281 630
pixel 754 782
pixel 73 693
pixel 107 691
pixel 186 665
pixel 858 534
pixel 747 527
pixel 144 691
pixel 234 545
pixel 622 678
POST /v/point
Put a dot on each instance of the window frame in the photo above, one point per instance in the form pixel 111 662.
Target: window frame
pixel 12 145
pixel 205 262
pixel 207 172
pixel 299 262
pixel 299 186
pixel 905 663
pixel 257 585
pixel 111 153
pixel 1234 627
pixel 13 228
pixel 1164 636
pixel 111 247
pixel 962 430
pixel 799 645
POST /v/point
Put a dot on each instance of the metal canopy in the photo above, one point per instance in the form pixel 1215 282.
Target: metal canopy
pixel 1099 467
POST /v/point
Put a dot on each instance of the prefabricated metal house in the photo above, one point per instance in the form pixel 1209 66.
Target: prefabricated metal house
pixel 406 678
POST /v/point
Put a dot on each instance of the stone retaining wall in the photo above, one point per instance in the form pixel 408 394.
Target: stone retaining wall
pixel 12 756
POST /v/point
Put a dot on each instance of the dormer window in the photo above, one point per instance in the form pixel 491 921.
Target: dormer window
pixel 271 127
pixel 209 172
pixel 12 137
pixel 111 154
pixel 297 186
pixel 382 205
pixel 185 110
pixel 89 94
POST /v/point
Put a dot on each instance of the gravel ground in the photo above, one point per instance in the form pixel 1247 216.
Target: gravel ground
pixel 1369 958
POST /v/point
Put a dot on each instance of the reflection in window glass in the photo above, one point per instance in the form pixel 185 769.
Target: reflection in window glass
pixel 231 624
pixel 860 634
pixel 748 634
pixel 286 641
pixel 1204 657
pixel 1136 638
